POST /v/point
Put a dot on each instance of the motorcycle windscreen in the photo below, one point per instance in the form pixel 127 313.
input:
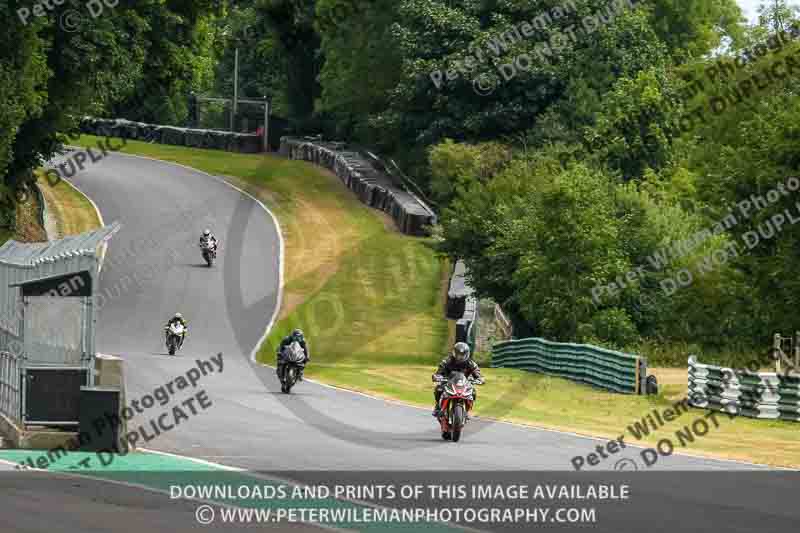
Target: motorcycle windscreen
pixel 455 377
pixel 53 330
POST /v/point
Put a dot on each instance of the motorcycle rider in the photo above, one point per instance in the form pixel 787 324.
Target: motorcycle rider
pixel 458 361
pixel 296 335
pixel 176 318
pixel 207 239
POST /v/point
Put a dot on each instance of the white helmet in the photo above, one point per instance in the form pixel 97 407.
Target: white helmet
pixel 206 232
pixel 178 315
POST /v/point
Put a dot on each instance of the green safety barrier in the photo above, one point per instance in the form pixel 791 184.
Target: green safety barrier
pixel 608 369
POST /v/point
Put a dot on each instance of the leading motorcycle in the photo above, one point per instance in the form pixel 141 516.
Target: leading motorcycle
pixel 209 252
pixel 458 397
pixel 175 335
pixel 293 361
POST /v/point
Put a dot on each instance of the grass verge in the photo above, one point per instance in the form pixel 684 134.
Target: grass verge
pixel 72 212
pixel 371 302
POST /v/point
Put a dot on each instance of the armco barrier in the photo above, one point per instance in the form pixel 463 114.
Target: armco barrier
pixel 372 187
pixel 153 133
pixel 755 395
pixel 607 369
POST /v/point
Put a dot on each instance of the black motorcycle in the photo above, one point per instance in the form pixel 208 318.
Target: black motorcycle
pixel 293 362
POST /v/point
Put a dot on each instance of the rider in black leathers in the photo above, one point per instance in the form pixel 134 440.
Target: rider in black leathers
pixel 458 361
pixel 297 335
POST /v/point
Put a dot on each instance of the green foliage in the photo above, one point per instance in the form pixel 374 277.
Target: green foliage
pixel 611 327
pixel 633 128
pixel 177 45
pixel 568 241
pixel 262 65
pixel 362 64
pixel 454 166
pixel 23 74
pixel 291 22
pixel 141 58
pixel 55 73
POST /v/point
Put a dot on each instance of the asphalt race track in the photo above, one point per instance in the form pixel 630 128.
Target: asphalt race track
pixel 37 501
pixel 250 424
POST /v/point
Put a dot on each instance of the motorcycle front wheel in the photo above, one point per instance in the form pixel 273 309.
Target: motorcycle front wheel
pixel 289 379
pixel 458 421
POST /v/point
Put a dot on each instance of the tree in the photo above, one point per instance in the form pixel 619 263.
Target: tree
pixel 776 15
pixel 177 44
pixel 56 69
pixel 23 75
pixel 292 22
pixel 362 63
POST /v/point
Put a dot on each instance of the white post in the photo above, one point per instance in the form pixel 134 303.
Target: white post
pixel 235 89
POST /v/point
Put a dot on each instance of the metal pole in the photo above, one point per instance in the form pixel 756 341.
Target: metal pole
pixel 266 124
pixel 91 320
pixel 235 88
pixel 23 366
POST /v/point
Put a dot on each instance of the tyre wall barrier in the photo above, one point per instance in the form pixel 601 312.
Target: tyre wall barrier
pixel 742 392
pixel 458 292
pixel 607 369
pixel 467 325
pixel 462 306
pixel 153 133
pixel 372 187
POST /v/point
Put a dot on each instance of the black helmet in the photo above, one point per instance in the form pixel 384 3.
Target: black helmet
pixel 461 352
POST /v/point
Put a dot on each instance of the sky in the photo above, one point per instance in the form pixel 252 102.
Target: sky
pixel 749 7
